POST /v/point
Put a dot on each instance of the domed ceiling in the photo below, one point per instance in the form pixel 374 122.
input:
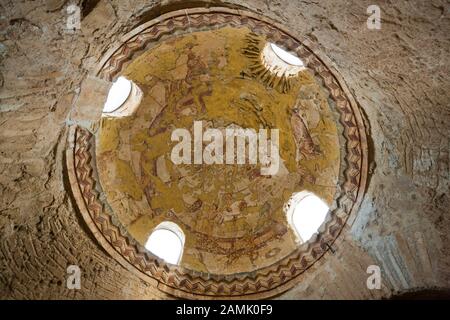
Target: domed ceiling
pixel 232 215
pixel 217 68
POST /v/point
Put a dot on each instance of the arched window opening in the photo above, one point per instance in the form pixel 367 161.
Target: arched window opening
pixel 166 242
pixel 305 213
pixel 286 56
pixel 123 98
pixel 281 62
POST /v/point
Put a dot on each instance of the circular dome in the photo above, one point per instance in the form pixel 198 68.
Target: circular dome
pixel 231 214
pixel 215 76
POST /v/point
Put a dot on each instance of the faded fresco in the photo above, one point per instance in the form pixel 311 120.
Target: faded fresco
pixel 231 215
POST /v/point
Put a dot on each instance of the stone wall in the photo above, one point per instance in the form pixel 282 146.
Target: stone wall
pixel 398 74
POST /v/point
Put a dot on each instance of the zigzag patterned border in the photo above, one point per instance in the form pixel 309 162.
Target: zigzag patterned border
pixel 180 281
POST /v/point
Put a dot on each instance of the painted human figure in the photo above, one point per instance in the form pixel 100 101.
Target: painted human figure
pixel 305 144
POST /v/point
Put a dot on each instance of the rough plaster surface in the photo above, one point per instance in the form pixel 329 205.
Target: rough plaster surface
pixel 398 74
